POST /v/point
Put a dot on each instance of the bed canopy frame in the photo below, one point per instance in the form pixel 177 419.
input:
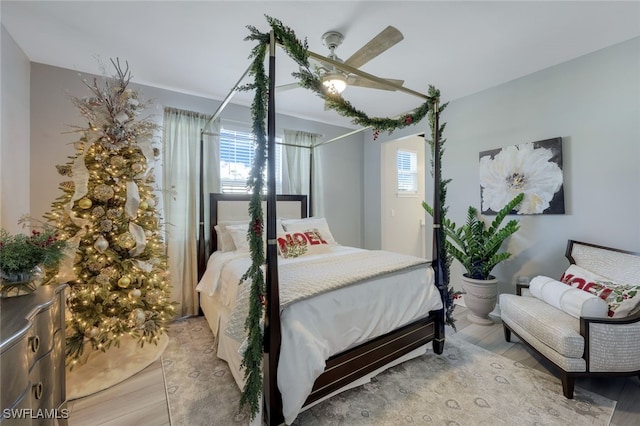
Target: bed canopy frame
pixel 354 363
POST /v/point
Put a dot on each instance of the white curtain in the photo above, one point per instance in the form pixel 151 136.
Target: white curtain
pixel 299 166
pixel 181 175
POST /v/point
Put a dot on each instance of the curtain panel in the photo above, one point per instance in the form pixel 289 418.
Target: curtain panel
pixel 298 147
pixel 180 178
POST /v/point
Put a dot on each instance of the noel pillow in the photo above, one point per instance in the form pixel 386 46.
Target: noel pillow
pixel 622 299
pixel 302 225
pixel 570 300
pixel 580 277
pixel 294 244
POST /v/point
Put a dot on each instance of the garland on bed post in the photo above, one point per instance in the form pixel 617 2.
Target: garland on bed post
pixel 441 259
pixel 262 86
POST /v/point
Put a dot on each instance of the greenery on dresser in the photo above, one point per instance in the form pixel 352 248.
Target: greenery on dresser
pixel 107 213
pixel 309 79
pixel 474 245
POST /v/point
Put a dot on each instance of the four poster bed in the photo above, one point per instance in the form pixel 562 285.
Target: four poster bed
pixel 371 310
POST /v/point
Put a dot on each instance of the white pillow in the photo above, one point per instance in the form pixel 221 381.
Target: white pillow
pixel 225 242
pixel 570 300
pixel 311 223
pixel 238 233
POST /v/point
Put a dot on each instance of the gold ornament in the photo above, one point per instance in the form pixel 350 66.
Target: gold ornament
pixel 137 167
pixel 143 205
pixel 126 240
pixel 154 296
pixel 85 203
pixel 134 294
pixel 94 332
pixel 124 282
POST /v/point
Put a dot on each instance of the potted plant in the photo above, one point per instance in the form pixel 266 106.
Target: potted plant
pixel 478 249
pixel 23 259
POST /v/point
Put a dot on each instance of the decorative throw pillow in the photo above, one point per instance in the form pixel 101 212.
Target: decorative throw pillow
pixel 580 276
pixel 569 300
pixel 302 225
pixel 301 243
pixel 621 298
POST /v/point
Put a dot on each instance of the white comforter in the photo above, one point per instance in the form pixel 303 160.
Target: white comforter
pixel 316 328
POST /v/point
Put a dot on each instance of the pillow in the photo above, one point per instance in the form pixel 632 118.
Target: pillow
pixel 581 276
pixel 238 234
pixel 301 243
pixel 621 299
pixel 225 242
pixel 311 223
pixel 570 300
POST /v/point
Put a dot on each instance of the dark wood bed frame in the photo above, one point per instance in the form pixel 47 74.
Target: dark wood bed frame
pixel 348 366
pixel 357 362
pixel 568 378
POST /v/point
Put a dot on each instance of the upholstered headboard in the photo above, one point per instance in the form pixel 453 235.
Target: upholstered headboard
pixel 236 207
pixel 618 265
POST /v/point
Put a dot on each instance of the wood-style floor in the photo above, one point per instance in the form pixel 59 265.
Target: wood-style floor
pixel 141 399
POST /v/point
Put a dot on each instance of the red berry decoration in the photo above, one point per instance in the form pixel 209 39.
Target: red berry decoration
pixel 408 120
pixel 257 227
pixel 376 133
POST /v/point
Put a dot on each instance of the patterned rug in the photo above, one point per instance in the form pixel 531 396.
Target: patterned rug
pixel 466 385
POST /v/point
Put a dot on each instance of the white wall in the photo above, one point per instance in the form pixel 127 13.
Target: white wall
pixel 14 145
pixel 52 114
pixel 593 103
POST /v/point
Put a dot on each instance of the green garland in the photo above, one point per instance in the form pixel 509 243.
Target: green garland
pixel 298 51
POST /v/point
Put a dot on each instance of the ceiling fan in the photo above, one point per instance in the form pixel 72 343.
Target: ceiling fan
pixel 337 74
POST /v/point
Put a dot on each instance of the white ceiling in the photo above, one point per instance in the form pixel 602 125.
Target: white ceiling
pixel 198 47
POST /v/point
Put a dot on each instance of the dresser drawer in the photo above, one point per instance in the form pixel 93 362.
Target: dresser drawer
pixel 42 382
pixel 40 336
pixel 15 372
pixel 20 413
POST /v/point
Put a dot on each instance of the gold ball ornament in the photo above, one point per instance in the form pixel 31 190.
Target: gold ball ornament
pixel 126 240
pixel 135 294
pixel 94 332
pixel 124 282
pixel 143 205
pixel 85 203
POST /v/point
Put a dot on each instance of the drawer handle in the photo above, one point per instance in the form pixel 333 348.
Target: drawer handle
pixel 37 390
pixel 34 342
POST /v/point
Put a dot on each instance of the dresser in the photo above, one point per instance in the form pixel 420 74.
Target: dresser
pixel 32 363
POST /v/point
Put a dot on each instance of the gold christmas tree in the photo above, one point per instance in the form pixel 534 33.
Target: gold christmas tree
pixel 117 268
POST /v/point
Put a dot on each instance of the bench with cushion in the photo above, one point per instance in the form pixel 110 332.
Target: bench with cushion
pixel 588 321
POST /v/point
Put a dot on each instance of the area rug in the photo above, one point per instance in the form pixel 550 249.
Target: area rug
pixel 466 385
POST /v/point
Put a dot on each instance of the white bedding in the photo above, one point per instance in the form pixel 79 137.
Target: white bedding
pixel 316 328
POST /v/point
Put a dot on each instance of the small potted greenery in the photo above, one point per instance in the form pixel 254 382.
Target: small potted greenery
pixel 23 259
pixel 477 248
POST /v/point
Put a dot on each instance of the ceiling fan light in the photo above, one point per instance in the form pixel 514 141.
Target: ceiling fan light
pixel 334 82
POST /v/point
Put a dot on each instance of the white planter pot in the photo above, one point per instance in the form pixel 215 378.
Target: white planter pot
pixel 480 298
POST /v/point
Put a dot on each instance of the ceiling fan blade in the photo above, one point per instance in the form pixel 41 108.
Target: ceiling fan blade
pixel 354 80
pixel 286 87
pixel 383 41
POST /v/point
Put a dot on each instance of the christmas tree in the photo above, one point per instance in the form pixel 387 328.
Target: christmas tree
pixel 117 268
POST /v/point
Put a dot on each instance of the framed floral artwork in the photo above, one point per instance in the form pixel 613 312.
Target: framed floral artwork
pixel 534 168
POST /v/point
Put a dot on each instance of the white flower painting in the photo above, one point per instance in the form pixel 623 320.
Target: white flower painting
pixel 534 168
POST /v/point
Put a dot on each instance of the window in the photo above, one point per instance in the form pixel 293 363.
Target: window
pixel 236 159
pixel 407 172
